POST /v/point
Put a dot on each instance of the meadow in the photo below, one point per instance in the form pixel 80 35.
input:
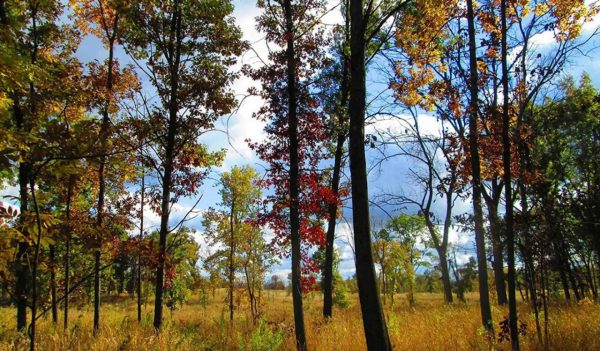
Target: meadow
pixel 431 325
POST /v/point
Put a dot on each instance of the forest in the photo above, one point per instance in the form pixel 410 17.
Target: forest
pixel 311 175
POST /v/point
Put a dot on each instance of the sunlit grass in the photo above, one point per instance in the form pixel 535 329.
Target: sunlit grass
pixel 431 325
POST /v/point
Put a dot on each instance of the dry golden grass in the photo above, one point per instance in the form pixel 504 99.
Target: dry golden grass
pixel 430 326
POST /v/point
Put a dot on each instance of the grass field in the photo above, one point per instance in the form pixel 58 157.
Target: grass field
pixel 430 326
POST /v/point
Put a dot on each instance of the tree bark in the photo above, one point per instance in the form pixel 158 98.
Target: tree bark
pixel 175 53
pixel 497 253
pixel 445 275
pixel 373 320
pixel 294 179
pixel 101 176
pixel 67 253
pixel 139 258
pixel 510 234
pixel 34 270
pixel 22 272
pixel 484 297
pixel 231 256
pixel 335 185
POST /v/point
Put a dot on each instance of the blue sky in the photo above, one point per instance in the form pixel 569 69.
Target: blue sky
pixel 235 129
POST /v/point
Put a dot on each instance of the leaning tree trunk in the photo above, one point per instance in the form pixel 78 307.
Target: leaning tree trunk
pixel 484 296
pixel 373 321
pixel 294 179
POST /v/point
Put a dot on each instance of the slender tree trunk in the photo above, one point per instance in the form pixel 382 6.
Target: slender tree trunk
pixel 508 217
pixel 22 271
pixel 328 271
pixel 96 291
pixel 545 302
pixel 34 270
pixel 442 246
pixel 231 256
pixel 251 295
pixel 25 177
pixel 443 253
pixel 101 176
pixel 497 252
pixel 530 278
pixel 67 253
pixel 484 297
pixel 373 320
pixel 294 179
pixel 333 208
pixel 335 185
pixel 175 53
pixel 139 258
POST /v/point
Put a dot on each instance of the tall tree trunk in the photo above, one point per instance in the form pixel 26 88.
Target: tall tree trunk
pixel 67 253
pixel 139 258
pixel 510 234
pixel 484 296
pixel 492 202
pixel 25 177
pixel 164 226
pixel 175 54
pixel 294 179
pixel 101 175
pixel 333 208
pixel 373 320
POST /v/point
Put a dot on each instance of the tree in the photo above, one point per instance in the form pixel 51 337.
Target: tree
pixel 364 25
pixel 484 302
pixel 334 99
pixel 187 47
pixel 339 296
pixel 102 19
pixel 436 175
pixel 301 194
pixel 407 230
pixel 233 229
pixel 181 270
